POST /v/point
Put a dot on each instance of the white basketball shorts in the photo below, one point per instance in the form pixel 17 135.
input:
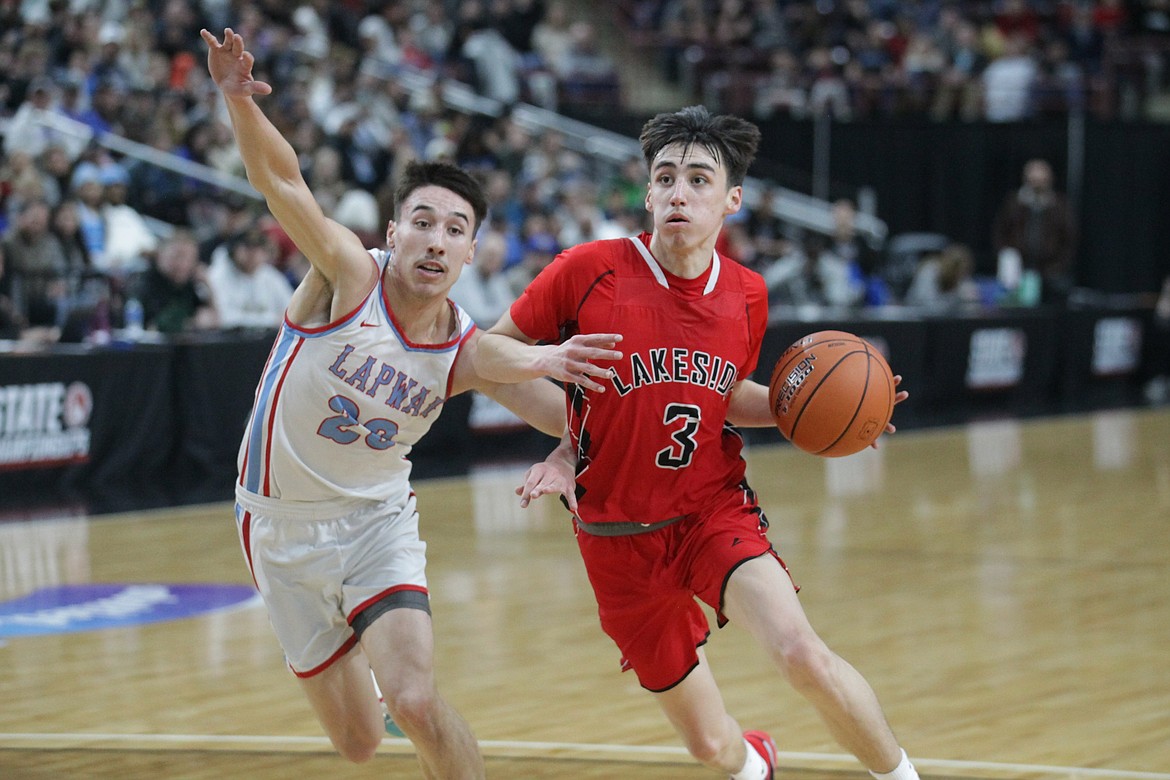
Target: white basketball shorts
pixel 324 580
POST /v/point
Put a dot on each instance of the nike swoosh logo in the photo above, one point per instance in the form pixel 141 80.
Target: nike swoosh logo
pixel 736 541
pixel 369 324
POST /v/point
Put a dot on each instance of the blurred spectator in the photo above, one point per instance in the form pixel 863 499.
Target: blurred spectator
pixel 782 91
pixel 1157 388
pixel 483 290
pixel 944 282
pixel 248 291
pixel 65 222
pixel 30 130
pixel 86 187
pixel 629 182
pixel 862 259
pixel 358 211
pixel 540 249
pixel 589 77
pixel 173 291
pixel 37 265
pixel 1035 226
pixel 155 191
pixel 766 229
pixel 812 275
pixel 1008 81
pixel 56 165
pixel 496 65
pixel 503 206
pixel 22 181
pixel 87 293
pixel 11 321
pixel 958 91
pixel 828 94
pixel 129 239
pixel 552 37
pixel 581 218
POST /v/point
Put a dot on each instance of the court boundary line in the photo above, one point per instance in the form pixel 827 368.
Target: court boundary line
pixel 502 748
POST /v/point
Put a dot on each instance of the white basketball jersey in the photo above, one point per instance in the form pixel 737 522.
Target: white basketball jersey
pixel 339 408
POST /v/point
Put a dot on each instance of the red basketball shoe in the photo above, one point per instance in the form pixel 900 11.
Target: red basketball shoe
pixel 763 744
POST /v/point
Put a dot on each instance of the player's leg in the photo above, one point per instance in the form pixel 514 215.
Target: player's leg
pixel 400 647
pixel 342 696
pixel 760 597
pixel 696 710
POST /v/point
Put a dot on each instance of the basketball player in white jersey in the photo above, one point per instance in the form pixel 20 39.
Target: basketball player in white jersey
pixel 369 350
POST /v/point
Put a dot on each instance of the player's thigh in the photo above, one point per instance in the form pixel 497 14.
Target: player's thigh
pixel 760 597
pixel 400 646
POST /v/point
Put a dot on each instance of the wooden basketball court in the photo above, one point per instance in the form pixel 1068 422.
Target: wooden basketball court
pixel 1005 586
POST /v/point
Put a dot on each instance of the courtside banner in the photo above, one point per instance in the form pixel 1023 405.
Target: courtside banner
pixel 97 413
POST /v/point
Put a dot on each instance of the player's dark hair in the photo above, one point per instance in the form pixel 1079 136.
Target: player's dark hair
pixel 730 140
pixel 420 173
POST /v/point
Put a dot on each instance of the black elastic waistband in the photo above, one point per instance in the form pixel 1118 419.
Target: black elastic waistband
pixel 624 528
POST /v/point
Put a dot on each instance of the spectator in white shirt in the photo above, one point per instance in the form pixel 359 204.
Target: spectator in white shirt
pixel 483 289
pixel 1008 82
pixel 248 290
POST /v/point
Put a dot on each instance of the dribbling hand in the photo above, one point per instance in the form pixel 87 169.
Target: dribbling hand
pixel 899 397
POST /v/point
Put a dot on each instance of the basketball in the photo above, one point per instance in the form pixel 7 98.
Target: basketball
pixel 832 393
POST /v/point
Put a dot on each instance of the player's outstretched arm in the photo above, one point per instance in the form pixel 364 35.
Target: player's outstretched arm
pixel 538 402
pixel 272 165
pixel 506 354
pixel 556 474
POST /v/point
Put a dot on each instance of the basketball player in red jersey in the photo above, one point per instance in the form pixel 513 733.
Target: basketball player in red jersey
pixel 661 508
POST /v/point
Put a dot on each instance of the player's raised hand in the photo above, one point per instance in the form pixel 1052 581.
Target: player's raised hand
pixel 575 360
pixel 230 65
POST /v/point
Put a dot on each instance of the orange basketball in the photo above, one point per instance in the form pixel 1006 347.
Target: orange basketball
pixel 832 393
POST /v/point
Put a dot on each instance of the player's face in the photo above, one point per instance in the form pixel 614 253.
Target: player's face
pixel 689 196
pixel 432 239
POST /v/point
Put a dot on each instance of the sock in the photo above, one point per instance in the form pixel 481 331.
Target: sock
pixel 903 771
pixel 754 768
pixel 377 690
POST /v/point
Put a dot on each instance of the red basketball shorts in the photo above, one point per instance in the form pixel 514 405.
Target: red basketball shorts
pixel 647 584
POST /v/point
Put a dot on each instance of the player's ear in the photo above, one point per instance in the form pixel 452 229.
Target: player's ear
pixel 471 252
pixel 648 206
pixel 734 200
pixel 390 228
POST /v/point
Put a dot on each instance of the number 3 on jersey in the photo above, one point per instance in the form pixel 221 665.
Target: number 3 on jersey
pixel 684 418
pixel 379 432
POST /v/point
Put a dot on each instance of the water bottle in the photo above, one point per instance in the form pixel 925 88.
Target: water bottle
pixel 132 318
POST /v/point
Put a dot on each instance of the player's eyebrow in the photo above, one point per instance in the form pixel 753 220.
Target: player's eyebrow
pixel 434 211
pixel 702 166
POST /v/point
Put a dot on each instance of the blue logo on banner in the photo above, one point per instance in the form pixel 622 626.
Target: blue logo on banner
pixel 69 608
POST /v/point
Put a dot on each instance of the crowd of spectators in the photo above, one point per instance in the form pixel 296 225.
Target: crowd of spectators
pixel 994 60
pixel 85 230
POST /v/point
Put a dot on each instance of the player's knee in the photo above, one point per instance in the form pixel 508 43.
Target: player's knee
pixel 806 663
pixel 357 745
pixel 707 747
pixel 414 708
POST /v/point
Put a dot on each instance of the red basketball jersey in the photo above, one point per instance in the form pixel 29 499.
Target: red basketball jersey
pixel 654 445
